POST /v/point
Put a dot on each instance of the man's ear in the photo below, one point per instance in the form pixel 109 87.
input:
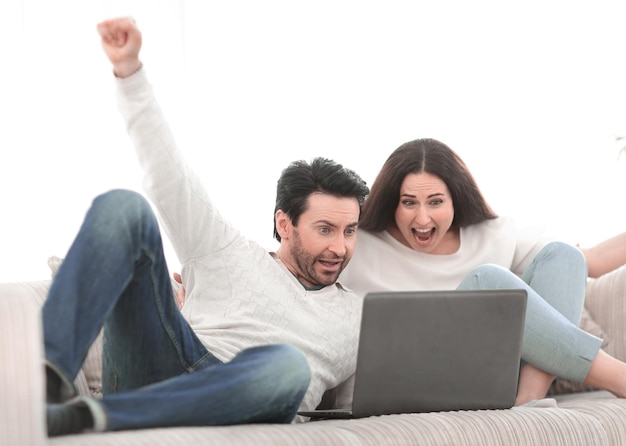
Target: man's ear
pixel 283 224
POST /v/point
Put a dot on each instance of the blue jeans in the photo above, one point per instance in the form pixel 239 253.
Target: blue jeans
pixel 156 372
pixel 555 282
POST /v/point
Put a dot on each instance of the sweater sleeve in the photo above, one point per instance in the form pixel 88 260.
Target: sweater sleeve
pixel 186 212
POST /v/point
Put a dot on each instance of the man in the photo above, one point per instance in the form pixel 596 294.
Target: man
pixel 260 334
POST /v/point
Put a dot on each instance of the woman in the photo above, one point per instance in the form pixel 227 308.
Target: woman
pixel 426 225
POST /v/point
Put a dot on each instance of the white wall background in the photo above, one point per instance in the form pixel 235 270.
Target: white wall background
pixel 531 94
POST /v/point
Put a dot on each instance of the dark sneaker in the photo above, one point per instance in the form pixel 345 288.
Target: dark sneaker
pixel 68 418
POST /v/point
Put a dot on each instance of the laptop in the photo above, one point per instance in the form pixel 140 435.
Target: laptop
pixel 432 351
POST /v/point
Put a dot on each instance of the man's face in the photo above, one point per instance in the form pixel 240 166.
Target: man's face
pixel 319 248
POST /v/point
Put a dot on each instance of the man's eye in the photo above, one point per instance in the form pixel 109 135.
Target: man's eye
pixel 324 230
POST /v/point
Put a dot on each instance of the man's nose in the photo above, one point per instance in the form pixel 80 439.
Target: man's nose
pixel 338 245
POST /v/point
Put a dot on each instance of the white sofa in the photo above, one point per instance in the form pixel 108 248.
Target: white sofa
pixel 589 418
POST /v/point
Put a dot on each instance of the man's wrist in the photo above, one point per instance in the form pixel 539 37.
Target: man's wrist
pixel 126 70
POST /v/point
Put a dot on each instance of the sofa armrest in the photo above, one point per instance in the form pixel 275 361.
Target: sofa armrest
pixel 606 303
pixel 22 410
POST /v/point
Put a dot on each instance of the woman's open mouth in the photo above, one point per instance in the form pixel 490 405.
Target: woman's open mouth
pixel 423 235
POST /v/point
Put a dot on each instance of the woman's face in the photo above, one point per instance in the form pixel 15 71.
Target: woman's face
pixel 424 215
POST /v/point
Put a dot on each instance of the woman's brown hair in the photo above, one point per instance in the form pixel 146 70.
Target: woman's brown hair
pixel 436 158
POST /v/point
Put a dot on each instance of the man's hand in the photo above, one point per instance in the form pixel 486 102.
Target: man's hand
pixel 121 41
pixel 179 294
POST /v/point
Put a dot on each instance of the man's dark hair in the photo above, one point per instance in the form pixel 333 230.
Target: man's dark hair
pixel 436 158
pixel 301 179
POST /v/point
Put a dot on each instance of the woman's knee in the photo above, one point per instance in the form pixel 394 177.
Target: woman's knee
pixel 564 252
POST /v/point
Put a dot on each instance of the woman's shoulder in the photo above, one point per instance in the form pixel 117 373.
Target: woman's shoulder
pixel 497 224
pixel 508 227
pixel 499 231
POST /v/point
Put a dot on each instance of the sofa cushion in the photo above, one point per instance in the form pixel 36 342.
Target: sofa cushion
pixel 606 302
pixel 518 426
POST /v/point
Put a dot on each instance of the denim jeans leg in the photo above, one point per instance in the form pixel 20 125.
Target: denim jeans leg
pixel 260 385
pixel 551 342
pixel 156 371
pixel 558 273
pixel 115 262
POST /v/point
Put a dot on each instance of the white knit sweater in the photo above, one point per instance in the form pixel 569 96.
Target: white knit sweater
pixel 381 263
pixel 238 294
